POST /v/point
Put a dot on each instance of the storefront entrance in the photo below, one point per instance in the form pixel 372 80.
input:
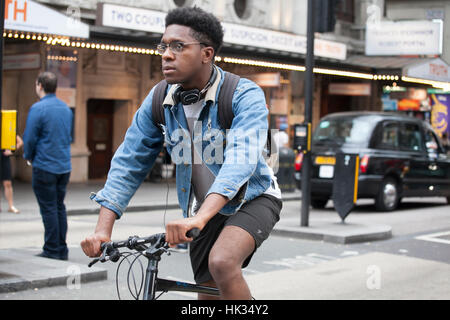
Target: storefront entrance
pixel 338 96
pixel 100 131
pixel 108 121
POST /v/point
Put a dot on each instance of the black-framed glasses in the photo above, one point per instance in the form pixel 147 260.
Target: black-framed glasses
pixel 175 46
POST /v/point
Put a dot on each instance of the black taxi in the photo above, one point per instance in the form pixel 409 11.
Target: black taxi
pixel 400 156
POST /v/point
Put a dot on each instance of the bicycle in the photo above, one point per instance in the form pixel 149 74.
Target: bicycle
pixel 152 284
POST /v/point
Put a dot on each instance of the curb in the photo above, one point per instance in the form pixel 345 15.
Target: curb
pixel 20 270
pixel 89 211
pixel 156 207
pixel 335 232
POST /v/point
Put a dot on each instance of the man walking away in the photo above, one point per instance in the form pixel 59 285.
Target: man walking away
pixel 47 140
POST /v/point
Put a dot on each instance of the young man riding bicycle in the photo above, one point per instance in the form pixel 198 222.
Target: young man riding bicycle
pixel 237 198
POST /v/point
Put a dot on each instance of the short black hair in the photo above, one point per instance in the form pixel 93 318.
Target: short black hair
pixel 49 81
pixel 206 27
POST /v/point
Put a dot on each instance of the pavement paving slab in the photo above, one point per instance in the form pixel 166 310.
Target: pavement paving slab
pixel 21 270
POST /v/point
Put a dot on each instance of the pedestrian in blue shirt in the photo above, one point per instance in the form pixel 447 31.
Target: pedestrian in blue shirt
pixel 47 139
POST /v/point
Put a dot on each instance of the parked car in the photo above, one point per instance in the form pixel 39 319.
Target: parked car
pixel 400 156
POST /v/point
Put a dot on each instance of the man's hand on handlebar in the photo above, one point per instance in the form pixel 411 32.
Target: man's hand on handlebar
pixel 91 245
pixel 176 230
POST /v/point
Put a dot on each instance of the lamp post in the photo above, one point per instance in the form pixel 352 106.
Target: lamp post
pixel 309 90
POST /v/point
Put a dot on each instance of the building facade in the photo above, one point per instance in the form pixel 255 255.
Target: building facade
pixel 105 76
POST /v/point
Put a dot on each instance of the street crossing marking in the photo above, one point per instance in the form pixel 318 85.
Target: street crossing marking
pixel 349 253
pixel 250 271
pixel 436 237
pixel 308 260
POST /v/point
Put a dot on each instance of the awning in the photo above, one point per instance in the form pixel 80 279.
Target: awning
pixel 139 19
pixel 430 71
pixel 425 68
pixel 32 17
pixel 382 63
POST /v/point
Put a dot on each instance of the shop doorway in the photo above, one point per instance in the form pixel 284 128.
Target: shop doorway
pixel 335 103
pixel 100 131
pixel 108 121
pixel 345 96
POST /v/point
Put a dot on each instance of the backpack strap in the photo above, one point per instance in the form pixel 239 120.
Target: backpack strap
pixel 159 95
pixel 269 143
pixel 225 108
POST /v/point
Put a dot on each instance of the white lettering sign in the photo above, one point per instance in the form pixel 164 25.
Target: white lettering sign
pixel 133 18
pixel 154 21
pixel 404 38
pixel 282 41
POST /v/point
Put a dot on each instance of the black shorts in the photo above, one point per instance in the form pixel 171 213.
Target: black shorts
pixel 5 167
pixel 257 217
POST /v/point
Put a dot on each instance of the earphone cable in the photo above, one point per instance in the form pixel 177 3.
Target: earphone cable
pixel 165 155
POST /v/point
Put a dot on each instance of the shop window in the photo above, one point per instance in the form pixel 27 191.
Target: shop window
pixel 241 7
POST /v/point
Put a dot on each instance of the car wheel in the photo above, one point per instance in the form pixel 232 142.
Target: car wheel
pixel 318 203
pixel 388 196
pixel 448 200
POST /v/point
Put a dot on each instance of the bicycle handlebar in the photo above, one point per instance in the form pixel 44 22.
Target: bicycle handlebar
pixel 110 252
pixel 193 233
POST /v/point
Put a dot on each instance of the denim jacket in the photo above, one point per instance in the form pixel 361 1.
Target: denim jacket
pixel 234 157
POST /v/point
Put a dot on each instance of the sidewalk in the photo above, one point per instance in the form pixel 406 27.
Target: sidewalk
pixel 20 271
pixel 157 195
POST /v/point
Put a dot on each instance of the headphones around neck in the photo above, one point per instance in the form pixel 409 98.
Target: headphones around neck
pixel 187 97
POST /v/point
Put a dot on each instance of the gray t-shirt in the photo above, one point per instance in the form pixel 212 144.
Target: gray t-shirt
pixel 202 177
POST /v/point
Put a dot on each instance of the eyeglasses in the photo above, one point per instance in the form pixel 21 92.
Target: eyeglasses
pixel 175 46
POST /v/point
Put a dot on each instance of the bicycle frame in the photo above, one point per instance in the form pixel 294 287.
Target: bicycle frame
pixel 154 284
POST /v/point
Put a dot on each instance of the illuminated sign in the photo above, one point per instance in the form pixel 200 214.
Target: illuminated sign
pixel 29 16
pixel 349 89
pixel 388 89
pixel 26 61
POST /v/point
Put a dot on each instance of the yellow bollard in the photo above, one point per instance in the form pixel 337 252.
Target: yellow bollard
pixel 8 129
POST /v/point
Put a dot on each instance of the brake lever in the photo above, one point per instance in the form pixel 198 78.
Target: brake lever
pixel 102 258
pixel 93 262
pixel 165 249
